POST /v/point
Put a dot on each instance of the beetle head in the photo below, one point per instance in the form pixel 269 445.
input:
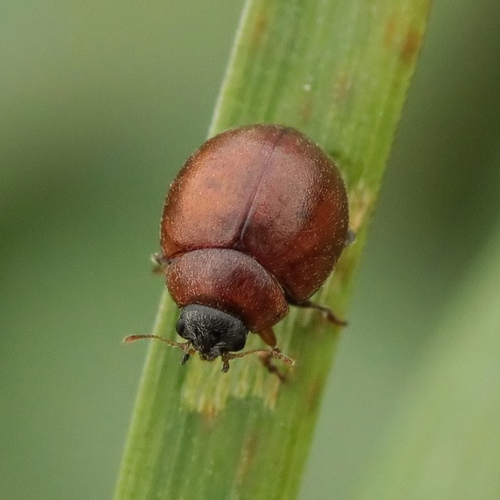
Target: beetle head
pixel 211 332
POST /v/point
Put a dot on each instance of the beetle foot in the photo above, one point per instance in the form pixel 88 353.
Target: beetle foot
pixel 267 362
pixel 160 263
pixel 331 317
pixel 225 363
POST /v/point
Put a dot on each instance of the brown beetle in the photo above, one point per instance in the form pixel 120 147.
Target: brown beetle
pixel 255 221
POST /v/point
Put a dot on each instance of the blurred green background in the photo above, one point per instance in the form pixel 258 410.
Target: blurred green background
pixel 100 104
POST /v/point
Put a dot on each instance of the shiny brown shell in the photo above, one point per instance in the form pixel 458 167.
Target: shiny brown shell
pixel 256 218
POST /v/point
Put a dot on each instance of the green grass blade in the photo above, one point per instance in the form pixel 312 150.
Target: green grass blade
pixel 338 71
pixel 445 442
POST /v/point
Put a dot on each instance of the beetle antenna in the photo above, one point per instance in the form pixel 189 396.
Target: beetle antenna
pixel 185 346
pixel 172 343
pixel 226 357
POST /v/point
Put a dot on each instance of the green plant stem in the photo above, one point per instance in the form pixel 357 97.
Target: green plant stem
pixel 445 440
pixel 338 71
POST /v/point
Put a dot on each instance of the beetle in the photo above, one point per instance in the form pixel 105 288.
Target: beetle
pixel 255 221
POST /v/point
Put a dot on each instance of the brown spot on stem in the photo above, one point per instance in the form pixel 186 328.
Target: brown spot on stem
pixel 411 45
pixel 390 31
pixel 341 87
pixel 259 27
pixel 306 110
pixel 407 42
pixel 272 392
pixel 209 413
pixel 247 457
pixel 362 200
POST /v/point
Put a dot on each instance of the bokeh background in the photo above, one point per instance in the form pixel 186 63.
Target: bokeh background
pixel 100 104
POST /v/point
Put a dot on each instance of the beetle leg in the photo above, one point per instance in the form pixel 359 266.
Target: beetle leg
pixel 268 337
pixel 160 263
pixel 327 313
pixel 266 360
pixel 225 363
pixel 265 357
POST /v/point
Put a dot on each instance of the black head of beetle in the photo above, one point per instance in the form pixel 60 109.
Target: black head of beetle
pixel 211 332
pixel 214 333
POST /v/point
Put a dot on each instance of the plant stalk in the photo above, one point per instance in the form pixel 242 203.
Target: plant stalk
pixel 338 71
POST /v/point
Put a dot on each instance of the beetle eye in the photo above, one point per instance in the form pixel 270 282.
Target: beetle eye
pixel 180 326
pixel 238 344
